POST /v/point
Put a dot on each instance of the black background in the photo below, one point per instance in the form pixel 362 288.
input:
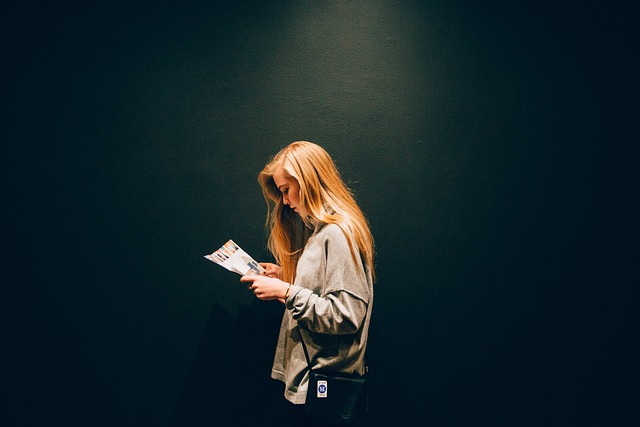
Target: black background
pixel 490 145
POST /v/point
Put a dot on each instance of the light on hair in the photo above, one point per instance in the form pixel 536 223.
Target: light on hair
pixel 324 196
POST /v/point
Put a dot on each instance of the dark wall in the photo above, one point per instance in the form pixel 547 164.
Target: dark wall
pixel 485 142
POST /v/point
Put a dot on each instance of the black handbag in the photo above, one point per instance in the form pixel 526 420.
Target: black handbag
pixel 335 398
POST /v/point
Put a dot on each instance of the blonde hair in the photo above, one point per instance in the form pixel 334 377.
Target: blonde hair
pixel 325 198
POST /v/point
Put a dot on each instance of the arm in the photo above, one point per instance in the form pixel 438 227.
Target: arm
pixel 337 313
pixel 331 292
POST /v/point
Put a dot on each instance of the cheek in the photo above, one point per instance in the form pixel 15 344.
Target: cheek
pixel 293 194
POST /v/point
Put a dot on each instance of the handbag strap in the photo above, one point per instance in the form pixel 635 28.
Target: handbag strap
pixel 304 347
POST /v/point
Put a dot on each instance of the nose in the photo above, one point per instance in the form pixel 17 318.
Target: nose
pixel 285 200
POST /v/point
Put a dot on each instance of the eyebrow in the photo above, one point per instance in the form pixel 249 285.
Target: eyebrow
pixel 283 185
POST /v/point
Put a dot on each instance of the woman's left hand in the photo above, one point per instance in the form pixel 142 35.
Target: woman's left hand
pixel 266 288
pixel 272 270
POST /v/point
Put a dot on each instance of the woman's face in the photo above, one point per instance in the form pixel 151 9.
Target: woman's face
pixel 290 190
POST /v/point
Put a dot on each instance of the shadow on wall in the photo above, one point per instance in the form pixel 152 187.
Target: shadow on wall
pixel 229 380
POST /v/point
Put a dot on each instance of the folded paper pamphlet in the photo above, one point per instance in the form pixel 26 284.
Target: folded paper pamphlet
pixel 233 258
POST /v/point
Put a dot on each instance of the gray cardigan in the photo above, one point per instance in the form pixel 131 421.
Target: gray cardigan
pixel 331 298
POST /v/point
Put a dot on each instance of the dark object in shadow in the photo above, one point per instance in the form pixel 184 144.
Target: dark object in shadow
pixel 229 381
pixel 205 398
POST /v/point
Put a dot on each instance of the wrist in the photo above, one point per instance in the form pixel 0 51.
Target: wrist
pixel 286 293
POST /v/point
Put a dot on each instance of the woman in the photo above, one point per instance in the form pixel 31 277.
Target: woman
pixel 324 251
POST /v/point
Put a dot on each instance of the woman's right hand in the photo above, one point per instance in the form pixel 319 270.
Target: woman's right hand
pixel 272 270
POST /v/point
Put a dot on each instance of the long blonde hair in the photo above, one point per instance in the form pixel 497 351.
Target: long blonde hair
pixel 325 198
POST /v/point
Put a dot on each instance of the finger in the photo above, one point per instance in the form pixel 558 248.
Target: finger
pixel 247 278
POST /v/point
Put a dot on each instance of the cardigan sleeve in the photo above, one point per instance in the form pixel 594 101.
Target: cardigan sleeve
pixel 330 294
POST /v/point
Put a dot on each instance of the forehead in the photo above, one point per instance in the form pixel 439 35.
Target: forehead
pixel 281 178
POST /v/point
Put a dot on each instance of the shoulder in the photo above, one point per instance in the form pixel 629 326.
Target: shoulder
pixel 331 231
pixel 332 235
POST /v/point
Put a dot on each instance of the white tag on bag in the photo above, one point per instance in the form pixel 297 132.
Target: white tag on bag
pixel 322 388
